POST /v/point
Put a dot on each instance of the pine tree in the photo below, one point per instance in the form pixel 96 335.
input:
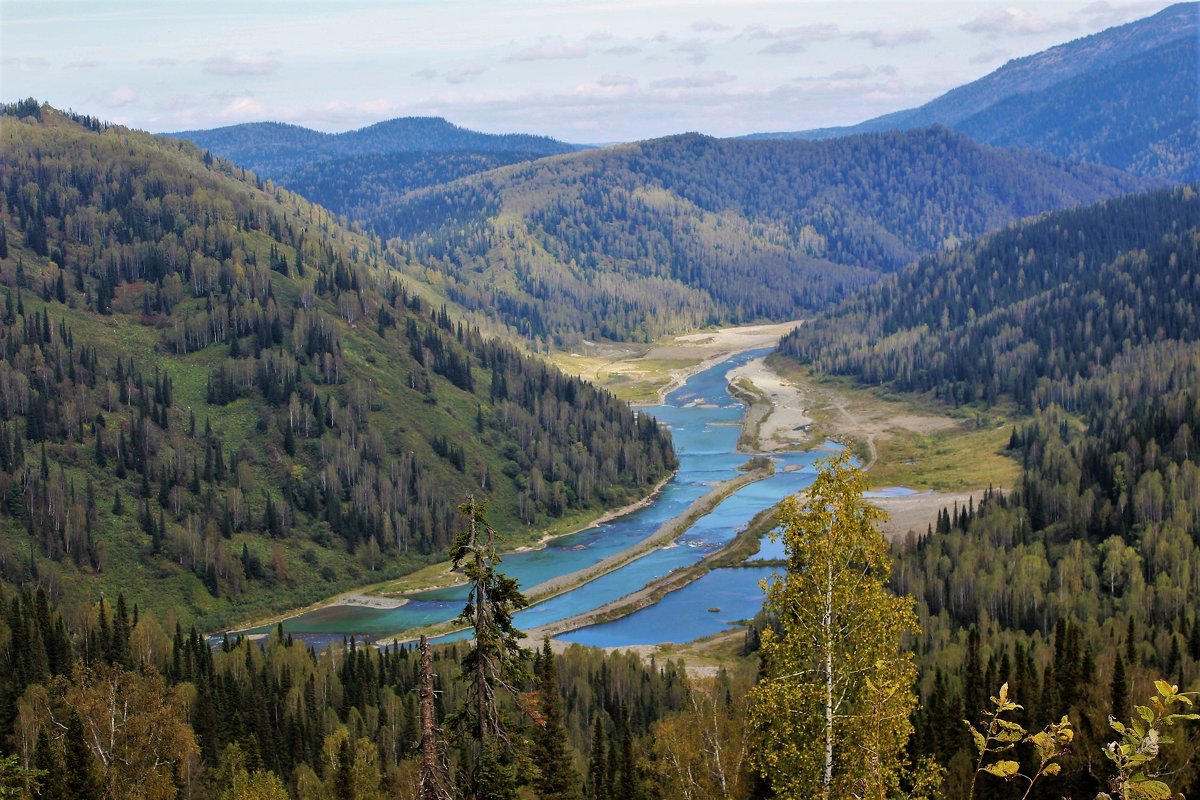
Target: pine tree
pixel 556 779
pixel 833 707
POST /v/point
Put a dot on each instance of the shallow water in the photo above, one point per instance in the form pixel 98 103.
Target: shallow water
pixel 705 425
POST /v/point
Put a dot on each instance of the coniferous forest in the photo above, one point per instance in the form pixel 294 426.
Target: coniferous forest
pixel 263 372
pixel 1078 585
pixel 212 393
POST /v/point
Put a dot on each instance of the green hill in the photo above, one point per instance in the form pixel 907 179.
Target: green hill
pixel 634 241
pixel 219 401
pixel 1078 582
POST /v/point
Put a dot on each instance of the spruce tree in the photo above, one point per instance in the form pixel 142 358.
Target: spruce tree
pixel 83 782
pixel 556 779
pixel 598 764
pixel 495 665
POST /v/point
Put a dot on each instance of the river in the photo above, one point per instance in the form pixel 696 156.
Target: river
pixel 705 425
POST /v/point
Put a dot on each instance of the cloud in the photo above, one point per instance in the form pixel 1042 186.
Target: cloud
pixel 989 56
pixel 695 49
pixel 702 80
pixel 854 73
pixel 25 63
pixel 549 51
pixel 122 96
pixel 709 26
pixel 599 36
pixel 1013 21
pixel 427 74
pixel 240 65
pixel 785 47
pixel 161 61
pixel 243 107
pixel 1105 14
pixel 463 74
pixel 895 37
pixel 623 50
pixel 818 31
pixel 616 80
pixel 87 63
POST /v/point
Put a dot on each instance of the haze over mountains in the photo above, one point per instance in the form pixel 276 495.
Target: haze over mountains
pixel 1126 97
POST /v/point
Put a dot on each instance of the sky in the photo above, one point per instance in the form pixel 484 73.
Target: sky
pixel 594 71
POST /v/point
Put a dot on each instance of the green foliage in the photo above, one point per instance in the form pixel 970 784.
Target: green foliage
pixel 832 709
pixel 1085 318
pixel 1140 741
pixel 496 663
pixel 634 241
pixel 231 372
pixel 1001 736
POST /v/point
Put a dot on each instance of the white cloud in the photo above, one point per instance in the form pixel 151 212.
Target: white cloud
pixel 785 47
pixel 695 49
pixel 1013 21
pixel 122 96
pixel 549 51
pixel 701 80
pixel 616 80
pixel 240 65
pixel 895 37
pixel 709 26
pixel 243 107
pixel 623 50
pixel 463 74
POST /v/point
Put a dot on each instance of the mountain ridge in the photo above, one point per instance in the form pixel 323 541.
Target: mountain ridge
pixel 1030 75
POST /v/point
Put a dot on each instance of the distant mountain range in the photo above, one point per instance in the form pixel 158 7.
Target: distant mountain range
pixel 1126 97
pixel 272 148
pixel 633 241
pixel 354 172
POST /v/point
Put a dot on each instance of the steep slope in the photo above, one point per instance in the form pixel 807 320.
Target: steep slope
pixel 219 401
pixel 1080 577
pixel 1121 97
pixel 637 240
pixel 1058 298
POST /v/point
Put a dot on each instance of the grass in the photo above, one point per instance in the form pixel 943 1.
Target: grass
pixel 954 449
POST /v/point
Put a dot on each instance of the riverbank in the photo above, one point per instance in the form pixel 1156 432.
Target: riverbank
pixel 661 537
pixel 645 374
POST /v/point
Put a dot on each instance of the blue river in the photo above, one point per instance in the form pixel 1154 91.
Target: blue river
pixel 705 422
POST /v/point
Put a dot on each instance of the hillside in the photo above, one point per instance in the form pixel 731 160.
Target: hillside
pixel 1125 97
pixel 273 148
pixel 634 241
pixel 218 401
pixel 1085 319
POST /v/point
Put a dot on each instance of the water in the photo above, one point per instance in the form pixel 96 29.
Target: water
pixel 685 615
pixel 705 425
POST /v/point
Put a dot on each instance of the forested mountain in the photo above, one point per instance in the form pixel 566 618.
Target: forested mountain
pixel 218 400
pixel 272 149
pixel 1125 97
pixel 636 240
pixel 1079 584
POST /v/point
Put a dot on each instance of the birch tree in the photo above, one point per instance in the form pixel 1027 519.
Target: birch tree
pixel 832 710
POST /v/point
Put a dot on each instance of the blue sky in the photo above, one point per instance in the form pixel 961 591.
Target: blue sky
pixel 582 71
